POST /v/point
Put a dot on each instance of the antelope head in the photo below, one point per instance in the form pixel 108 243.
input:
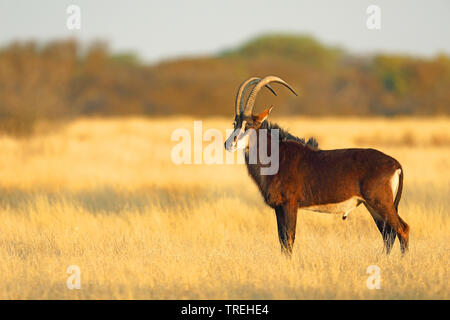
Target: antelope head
pixel 245 121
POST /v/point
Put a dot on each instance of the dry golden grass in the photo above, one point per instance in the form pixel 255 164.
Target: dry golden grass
pixel 104 195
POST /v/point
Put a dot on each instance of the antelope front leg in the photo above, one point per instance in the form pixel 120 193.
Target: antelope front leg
pixel 286 221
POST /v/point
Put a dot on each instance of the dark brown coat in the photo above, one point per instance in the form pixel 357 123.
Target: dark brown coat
pixel 310 177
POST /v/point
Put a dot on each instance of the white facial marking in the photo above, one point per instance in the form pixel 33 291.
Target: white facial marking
pixel 244 123
pixel 242 137
pixel 231 142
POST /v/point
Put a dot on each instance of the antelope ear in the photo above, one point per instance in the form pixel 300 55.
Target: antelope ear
pixel 263 115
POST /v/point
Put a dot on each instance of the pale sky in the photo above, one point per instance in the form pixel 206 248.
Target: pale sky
pixel 164 29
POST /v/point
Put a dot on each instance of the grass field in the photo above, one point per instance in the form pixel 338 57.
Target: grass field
pixel 104 195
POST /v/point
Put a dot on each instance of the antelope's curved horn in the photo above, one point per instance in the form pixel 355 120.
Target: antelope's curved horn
pixel 264 82
pixel 241 93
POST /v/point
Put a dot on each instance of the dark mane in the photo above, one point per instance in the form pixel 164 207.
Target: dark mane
pixel 285 135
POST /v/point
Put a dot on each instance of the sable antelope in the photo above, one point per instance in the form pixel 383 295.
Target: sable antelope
pixel 331 181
